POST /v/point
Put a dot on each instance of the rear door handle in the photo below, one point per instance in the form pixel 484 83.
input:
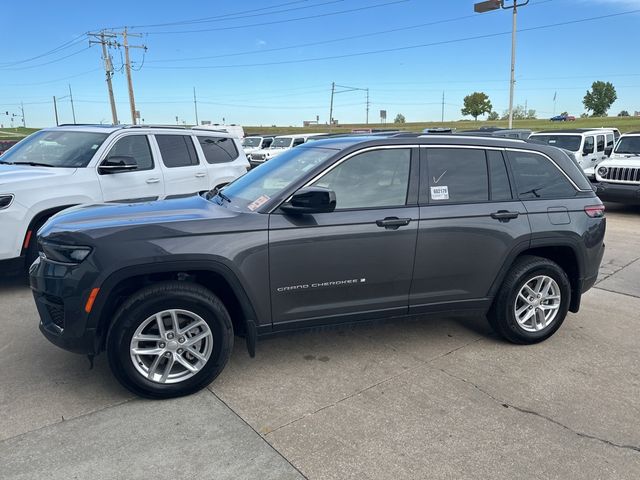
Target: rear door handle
pixel 504 215
pixel 393 223
pixel 153 180
pixel 200 175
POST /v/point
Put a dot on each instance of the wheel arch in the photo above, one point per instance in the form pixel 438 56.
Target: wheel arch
pixel 38 219
pixel 215 276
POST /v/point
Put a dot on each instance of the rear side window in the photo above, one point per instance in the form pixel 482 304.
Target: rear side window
pixel 177 150
pixel 136 146
pixel 218 149
pixel 498 177
pixel 601 143
pixel 457 176
pixel 610 140
pixel 537 177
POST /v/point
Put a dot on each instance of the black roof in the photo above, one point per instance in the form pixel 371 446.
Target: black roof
pixel 633 133
pixel 573 130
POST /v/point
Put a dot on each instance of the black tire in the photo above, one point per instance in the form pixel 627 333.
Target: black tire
pixel 502 317
pixel 157 298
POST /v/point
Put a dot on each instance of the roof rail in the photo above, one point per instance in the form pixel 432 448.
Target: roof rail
pixel 105 125
pixel 180 127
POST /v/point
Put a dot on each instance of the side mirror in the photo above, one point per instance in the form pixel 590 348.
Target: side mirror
pixel 116 164
pixel 311 200
pixel 588 150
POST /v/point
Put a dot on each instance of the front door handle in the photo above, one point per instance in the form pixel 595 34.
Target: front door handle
pixel 393 223
pixel 153 180
pixel 200 175
pixel 504 215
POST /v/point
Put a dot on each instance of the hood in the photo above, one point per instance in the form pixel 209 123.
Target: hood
pixel 152 219
pixel 624 161
pixel 623 156
pixel 12 174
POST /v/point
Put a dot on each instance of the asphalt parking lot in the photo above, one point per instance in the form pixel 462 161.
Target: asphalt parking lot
pixel 420 398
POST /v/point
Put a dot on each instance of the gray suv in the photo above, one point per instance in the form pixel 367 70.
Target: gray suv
pixel 332 232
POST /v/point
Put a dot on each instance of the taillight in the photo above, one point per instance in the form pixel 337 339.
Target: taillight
pixel 594 211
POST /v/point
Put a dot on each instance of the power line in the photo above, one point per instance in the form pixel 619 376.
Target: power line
pixel 396 49
pixel 74 41
pixel 45 63
pixel 274 22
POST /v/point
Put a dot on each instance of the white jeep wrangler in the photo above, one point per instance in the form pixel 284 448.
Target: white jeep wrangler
pixel 618 177
pixel 60 167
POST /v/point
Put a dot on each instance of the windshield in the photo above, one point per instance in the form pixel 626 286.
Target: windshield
pixel 568 142
pixel 251 142
pixel 628 145
pixel 55 149
pixel 263 183
pixel 282 142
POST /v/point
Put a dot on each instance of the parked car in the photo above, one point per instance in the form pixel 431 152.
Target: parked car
pixel 57 168
pixel 255 143
pixel 280 144
pixel 619 176
pixel 334 231
pixel 589 146
pixel 563 118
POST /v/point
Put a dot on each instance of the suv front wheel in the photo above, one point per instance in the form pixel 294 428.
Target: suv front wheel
pixel 532 302
pixel 169 340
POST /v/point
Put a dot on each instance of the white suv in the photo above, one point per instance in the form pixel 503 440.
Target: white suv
pixel 619 176
pixel 60 167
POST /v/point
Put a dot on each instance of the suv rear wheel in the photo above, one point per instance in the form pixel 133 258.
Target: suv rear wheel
pixel 169 340
pixel 532 302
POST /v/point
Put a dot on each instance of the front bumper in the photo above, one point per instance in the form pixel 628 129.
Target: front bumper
pixel 618 192
pixel 60 296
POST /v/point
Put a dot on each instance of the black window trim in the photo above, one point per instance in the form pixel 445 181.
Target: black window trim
pixel 116 139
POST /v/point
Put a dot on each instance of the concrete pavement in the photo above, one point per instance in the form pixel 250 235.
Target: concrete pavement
pixel 420 398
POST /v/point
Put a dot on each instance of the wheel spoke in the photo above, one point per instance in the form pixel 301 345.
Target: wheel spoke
pixel 191 326
pixel 550 307
pixel 530 290
pixel 154 367
pixel 523 298
pixel 160 323
pixel 182 361
pixel 147 351
pixel 141 337
pixel 167 369
pixel 196 354
pixel 522 309
pixel 539 319
pixel 193 340
pixel 174 322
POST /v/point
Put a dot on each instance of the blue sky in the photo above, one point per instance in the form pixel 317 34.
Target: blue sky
pixel 250 75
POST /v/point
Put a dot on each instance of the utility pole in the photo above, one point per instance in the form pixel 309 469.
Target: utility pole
pixel 333 90
pixel 367 106
pixel 108 66
pixel 127 66
pixel 24 123
pixel 73 110
pixel 55 110
pixel 195 105
pixel 442 117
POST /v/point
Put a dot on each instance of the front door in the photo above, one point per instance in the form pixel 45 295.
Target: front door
pixel 143 184
pixel 470 222
pixel 357 261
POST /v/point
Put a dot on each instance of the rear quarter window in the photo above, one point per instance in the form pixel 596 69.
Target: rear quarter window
pixel 218 149
pixel 536 177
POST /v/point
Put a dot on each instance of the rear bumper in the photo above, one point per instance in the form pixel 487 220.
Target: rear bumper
pixel 618 192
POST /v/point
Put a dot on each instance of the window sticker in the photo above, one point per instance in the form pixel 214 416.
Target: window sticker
pixel 258 202
pixel 440 193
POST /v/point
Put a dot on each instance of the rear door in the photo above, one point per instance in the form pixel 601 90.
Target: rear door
pixel 143 184
pixel 224 161
pixel 184 173
pixel 601 144
pixel 357 261
pixel 470 224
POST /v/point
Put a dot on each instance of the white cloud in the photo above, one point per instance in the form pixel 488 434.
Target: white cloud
pixel 261 43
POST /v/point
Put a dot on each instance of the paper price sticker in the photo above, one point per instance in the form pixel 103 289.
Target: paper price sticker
pixel 258 202
pixel 440 193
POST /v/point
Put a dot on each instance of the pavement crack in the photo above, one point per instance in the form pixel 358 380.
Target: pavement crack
pixel 616 271
pixel 613 291
pixel 633 448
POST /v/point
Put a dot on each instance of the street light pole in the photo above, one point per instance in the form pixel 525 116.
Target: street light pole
pixel 488 6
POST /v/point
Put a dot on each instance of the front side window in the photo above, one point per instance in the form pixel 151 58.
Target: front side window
pixel 601 143
pixel 457 175
pixel 589 145
pixel 136 147
pixel 57 148
pixel 218 149
pixel 537 177
pixel 281 142
pixel 177 150
pixel 379 178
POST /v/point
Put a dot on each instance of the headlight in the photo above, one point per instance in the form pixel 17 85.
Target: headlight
pixel 64 254
pixel 602 171
pixel 5 201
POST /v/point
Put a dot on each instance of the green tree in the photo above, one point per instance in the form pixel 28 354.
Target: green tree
pixel 623 113
pixel 399 118
pixel 493 116
pixel 600 98
pixel 476 104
